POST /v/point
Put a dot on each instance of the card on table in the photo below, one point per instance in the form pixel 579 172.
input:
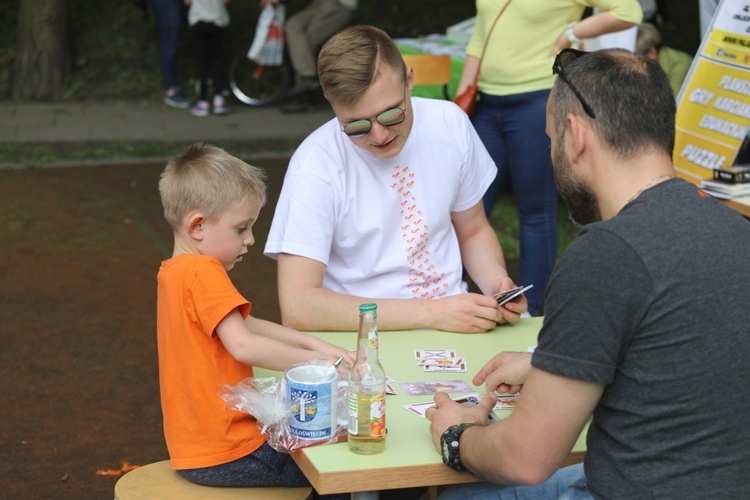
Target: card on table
pixel 389 389
pixel 458 368
pixel 441 361
pixel 435 354
pixel 425 388
pixel 419 409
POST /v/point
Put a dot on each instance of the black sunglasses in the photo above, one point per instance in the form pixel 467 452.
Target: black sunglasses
pixel 562 61
pixel 388 118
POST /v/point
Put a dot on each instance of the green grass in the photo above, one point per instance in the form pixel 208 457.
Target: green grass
pixel 504 218
pixel 15 155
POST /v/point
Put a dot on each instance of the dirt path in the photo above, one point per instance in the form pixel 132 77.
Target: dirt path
pixel 79 252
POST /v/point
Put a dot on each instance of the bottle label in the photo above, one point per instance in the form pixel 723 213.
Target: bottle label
pixel 367 415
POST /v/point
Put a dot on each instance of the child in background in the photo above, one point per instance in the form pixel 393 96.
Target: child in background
pixel 207 20
pixel 206 337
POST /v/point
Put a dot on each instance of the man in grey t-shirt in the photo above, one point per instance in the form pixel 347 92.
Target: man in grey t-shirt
pixel 647 324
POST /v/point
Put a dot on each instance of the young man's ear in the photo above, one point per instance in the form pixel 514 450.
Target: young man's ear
pixel 195 226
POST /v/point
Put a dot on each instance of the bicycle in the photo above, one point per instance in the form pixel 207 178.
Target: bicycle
pixel 256 84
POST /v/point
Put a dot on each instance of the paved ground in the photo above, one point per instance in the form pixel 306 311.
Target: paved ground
pixel 79 251
pixel 124 121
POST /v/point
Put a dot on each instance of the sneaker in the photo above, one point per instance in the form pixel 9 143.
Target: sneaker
pixel 176 99
pixel 220 107
pixel 201 108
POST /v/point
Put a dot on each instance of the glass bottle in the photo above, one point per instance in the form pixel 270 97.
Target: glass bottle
pixel 367 388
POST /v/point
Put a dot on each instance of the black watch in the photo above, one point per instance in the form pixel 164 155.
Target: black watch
pixel 449 446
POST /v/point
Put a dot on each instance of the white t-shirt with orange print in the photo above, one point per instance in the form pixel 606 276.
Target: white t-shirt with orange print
pixel 383 226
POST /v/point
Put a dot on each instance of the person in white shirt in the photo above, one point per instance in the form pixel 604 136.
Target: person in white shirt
pixel 384 204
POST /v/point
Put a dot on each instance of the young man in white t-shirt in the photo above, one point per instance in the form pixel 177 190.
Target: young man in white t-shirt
pixel 384 204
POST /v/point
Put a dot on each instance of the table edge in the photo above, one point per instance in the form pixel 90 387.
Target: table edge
pixel 347 481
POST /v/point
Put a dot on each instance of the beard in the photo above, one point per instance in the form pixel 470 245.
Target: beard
pixel 583 207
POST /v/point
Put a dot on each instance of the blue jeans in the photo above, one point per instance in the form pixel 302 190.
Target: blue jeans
pixel 568 483
pixel 263 467
pixel 169 15
pixel 512 129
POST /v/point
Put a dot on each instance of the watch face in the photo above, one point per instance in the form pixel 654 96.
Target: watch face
pixel 446 451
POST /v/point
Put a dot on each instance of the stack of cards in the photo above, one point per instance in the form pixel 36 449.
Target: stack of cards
pixel 440 360
pixel 508 295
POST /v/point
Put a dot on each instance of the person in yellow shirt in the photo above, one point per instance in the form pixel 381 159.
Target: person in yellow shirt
pixel 514 83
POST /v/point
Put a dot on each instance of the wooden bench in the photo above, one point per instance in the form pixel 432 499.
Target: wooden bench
pixel 159 481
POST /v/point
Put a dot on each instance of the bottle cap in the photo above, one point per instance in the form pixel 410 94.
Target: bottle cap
pixel 368 307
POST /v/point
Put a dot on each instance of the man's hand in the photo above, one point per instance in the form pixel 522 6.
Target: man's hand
pixel 506 372
pixel 466 313
pixel 511 311
pixel 447 412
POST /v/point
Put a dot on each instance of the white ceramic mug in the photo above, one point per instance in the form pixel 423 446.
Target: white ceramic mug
pixel 312 394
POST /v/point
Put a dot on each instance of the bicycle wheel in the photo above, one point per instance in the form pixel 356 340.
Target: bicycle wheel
pixel 258 85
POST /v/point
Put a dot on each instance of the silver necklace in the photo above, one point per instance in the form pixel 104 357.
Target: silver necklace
pixel 648 185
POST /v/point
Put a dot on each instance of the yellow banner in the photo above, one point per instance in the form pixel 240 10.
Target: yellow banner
pixel 713 115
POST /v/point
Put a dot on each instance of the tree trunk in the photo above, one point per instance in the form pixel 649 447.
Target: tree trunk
pixel 42 58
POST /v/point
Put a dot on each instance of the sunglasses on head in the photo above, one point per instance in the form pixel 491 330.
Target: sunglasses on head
pixel 388 118
pixel 562 61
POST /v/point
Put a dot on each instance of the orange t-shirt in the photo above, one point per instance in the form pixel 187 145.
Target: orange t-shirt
pixel 194 295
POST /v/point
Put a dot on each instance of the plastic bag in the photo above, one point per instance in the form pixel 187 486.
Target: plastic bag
pixel 267 399
pixel 267 48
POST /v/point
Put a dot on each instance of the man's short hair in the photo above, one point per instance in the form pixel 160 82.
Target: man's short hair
pixel 631 96
pixel 207 178
pixel 352 60
pixel 648 37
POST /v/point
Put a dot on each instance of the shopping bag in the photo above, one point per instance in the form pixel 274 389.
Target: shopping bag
pixel 267 48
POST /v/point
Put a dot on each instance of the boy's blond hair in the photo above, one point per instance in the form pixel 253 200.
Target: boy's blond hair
pixel 352 60
pixel 207 178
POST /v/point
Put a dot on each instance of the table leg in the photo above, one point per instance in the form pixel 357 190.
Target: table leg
pixel 366 495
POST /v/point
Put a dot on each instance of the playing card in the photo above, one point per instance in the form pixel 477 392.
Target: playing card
pixel 425 388
pixel 419 409
pixel 389 389
pixel 507 402
pixel 461 367
pixel 508 295
pixel 441 361
pixel 434 354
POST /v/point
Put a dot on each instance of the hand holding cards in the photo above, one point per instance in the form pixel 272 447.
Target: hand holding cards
pixel 508 295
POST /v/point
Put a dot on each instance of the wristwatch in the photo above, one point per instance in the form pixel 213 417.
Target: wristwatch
pixel 572 38
pixel 449 446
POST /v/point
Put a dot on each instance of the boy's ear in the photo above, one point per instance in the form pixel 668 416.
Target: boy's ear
pixel 195 226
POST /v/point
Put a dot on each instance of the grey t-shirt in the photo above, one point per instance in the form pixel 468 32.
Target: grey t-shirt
pixel 655 305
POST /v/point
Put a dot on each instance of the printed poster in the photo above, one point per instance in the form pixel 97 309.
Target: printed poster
pixel 713 107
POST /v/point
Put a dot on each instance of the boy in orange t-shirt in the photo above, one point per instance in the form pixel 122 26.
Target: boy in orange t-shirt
pixel 206 336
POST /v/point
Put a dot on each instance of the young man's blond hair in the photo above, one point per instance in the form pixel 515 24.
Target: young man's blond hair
pixel 351 60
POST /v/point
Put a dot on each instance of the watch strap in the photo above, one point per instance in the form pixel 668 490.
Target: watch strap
pixel 572 38
pixel 449 444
